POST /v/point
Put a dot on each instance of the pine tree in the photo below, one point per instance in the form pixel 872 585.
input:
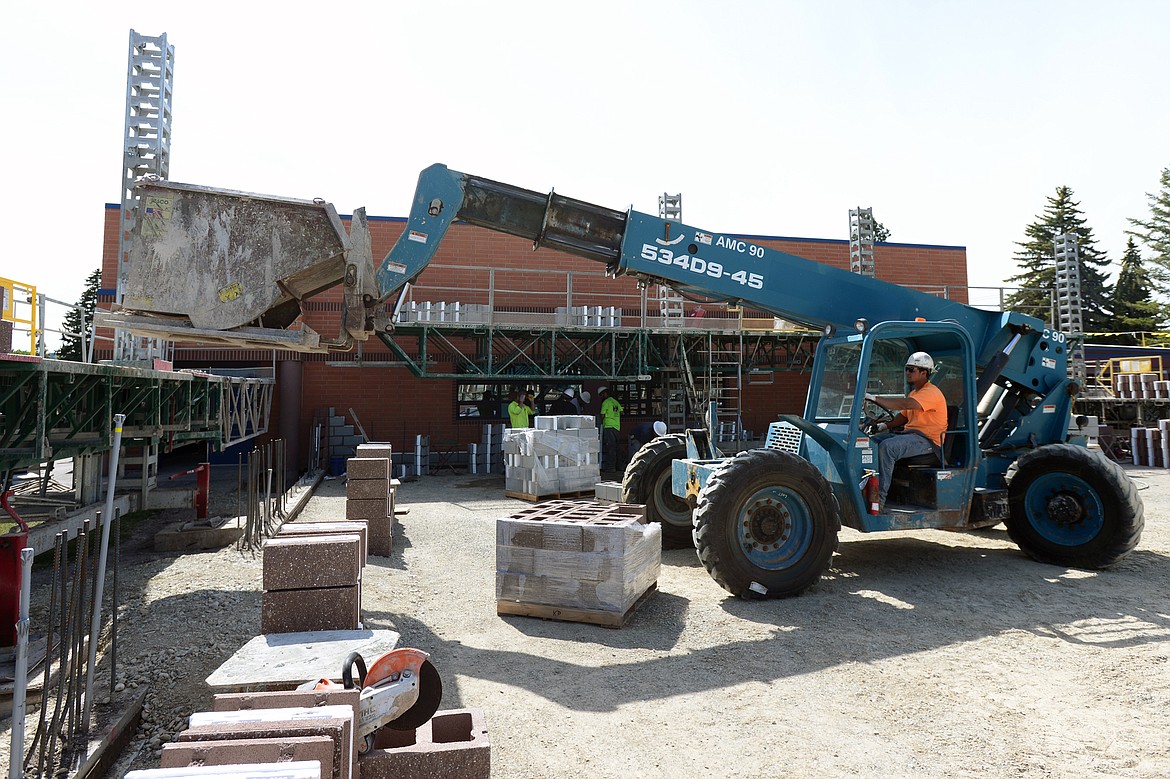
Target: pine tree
pixel 80 318
pixel 1037 263
pixel 1133 305
pixel 1154 233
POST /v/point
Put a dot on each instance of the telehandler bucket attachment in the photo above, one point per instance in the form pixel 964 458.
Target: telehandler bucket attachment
pixel 214 265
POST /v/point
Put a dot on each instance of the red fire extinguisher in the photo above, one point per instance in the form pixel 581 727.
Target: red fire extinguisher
pixel 872 492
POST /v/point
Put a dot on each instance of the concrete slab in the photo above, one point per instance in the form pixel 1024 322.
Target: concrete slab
pixel 281 661
pixel 182 537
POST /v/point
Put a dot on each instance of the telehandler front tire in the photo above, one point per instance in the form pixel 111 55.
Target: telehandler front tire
pixel 1071 506
pixel 766 525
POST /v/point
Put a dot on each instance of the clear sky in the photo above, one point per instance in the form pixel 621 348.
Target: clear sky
pixel 953 120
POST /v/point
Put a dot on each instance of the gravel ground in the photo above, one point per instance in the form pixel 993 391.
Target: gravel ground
pixel 921 654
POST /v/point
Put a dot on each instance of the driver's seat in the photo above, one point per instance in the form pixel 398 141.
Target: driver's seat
pixel 930 459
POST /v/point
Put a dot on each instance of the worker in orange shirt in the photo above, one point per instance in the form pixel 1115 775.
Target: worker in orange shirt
pixel 923 412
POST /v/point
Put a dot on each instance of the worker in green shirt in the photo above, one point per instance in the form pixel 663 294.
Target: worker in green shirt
pixel 520 411
pixel 611 423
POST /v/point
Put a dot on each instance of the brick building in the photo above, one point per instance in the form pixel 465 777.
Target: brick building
pixel 480 267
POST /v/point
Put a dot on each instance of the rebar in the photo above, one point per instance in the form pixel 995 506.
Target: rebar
pixel 39 737
pixel 114 601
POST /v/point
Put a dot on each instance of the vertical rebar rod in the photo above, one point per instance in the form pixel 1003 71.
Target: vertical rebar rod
pixel 114 601
pixel 100 575
pixel 41 737
pixel 20 682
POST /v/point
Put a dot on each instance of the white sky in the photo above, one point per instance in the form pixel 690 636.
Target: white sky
pixel 954 120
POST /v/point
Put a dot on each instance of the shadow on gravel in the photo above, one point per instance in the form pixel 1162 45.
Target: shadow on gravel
pixel 884 598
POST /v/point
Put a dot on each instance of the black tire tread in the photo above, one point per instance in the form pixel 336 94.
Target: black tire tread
pixel 1128 508
pixel 715 494
pixel 638 480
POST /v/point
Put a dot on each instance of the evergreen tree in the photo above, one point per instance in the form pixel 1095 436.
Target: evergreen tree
pixel 881 233
pixel 1133 304
pixel 79 319
pixel 1037 262
pixel 1155 234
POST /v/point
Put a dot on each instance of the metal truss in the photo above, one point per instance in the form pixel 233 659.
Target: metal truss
pixel 454 351
pixel 51 409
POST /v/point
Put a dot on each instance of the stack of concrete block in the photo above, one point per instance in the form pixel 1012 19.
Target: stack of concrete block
pixel 369 495
pixel 324 734
pixel 560 455
pixel 487 455
pixel 1162 390
pixel 1151 445
pixel 576 560
pixel 608 491
pixel 340 438
pixel 311 583
pixel 452 744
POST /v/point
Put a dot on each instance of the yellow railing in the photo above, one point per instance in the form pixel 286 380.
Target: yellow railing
pixel 14 294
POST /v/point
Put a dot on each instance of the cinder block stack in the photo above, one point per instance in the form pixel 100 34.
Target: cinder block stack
pixel 311 583
pixel 1147 385
pixel 322 733
pixel 487 455
pixel 559 455
pixel 1162 390
pixel 1139 445
pixel 576 560
pixel 340 438
pixel 452 744
pixel 369 495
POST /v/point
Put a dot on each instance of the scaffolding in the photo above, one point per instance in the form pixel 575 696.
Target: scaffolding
pixel 1069 309
pixel 861 240
pixel 146 152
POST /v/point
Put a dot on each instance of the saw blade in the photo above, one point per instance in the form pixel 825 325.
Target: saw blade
pixel 430 695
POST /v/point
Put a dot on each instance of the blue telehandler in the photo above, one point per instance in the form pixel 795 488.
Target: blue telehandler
pixel 220 266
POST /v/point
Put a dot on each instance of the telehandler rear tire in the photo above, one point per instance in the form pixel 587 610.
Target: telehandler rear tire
pixel 1071 506
pixel 648 480
pixel 766 525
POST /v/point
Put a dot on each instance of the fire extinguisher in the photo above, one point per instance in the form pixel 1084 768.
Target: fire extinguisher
pixel 872 492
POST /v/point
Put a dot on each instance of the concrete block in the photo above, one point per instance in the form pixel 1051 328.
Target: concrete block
pixel 296 611
pixel 287 699
pixel 309 562
pixel 333 722
pixel 368 468
pixel 452 745
pixel 375 449
pixel 300 769
pixel 382 535
pixel 329 528
pixel 183 537
pixel 252 750
pixel 367 509
pixel 366 489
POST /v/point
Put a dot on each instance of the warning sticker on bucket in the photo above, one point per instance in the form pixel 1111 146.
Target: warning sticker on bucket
pixel 415 235
pixel 394 267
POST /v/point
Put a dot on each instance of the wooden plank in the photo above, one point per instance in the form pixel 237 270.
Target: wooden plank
pixel 565 614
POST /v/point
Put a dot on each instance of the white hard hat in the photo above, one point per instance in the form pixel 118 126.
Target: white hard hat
pixel 920 360
pixel 569 392
pixel 585 396
pixel 660 428
pixel 602 389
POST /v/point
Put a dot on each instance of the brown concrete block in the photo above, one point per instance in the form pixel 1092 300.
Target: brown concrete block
pixel 382 536
pixel 287 699
pixel 326 528
pixel 374 449
pixel 453 745
pixel 376 508
pixel 366 489
pixel 309 562
pixel 252 750
pixel 296 611
pixel 327 721
pixel 368 468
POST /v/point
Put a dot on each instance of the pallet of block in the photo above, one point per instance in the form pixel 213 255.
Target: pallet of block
pixel 577 561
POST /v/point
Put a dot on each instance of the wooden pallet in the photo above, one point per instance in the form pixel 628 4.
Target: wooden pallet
pixel 550 496
pixel 606 619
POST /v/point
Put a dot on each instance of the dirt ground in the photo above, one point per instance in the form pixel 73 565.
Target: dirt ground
pixel 921 654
